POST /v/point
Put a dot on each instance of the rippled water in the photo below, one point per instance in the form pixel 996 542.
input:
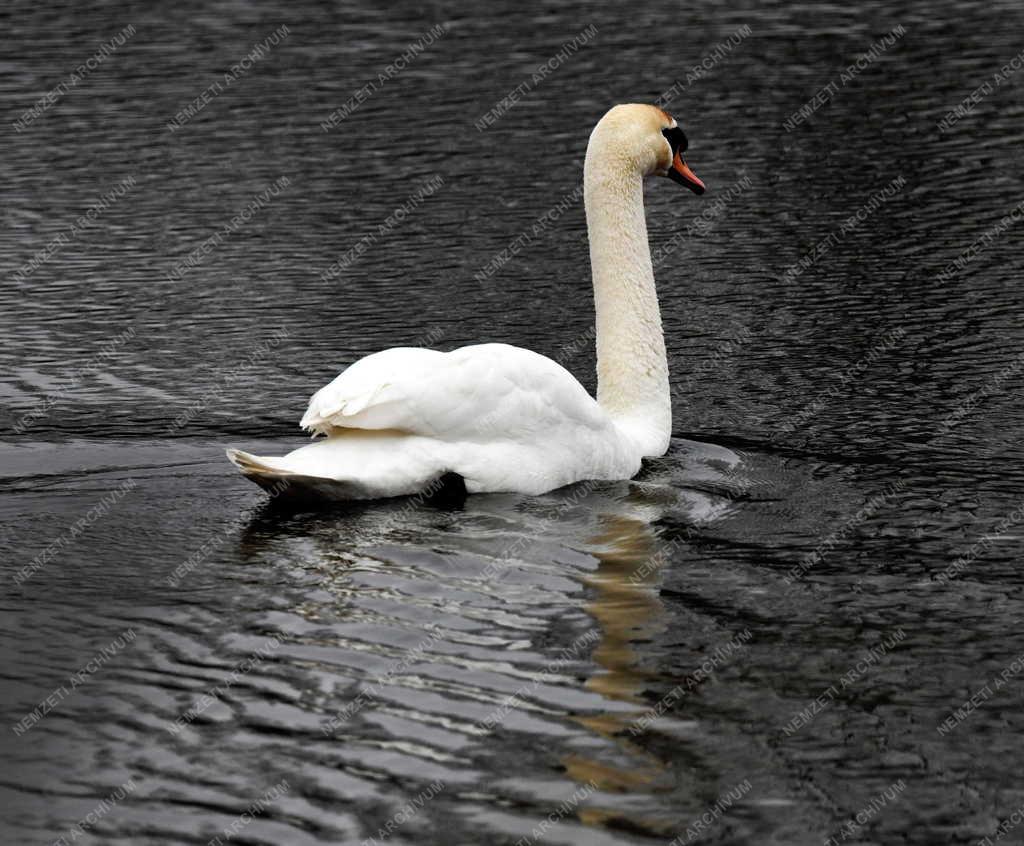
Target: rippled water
pixel 752 642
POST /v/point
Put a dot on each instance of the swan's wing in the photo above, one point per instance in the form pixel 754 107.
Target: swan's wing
pixel 488 391
pixel 360 396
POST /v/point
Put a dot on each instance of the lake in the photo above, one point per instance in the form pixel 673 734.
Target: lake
pixel 800 626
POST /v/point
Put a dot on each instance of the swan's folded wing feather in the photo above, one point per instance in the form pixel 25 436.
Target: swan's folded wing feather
pixel 482 391
pixel 370 382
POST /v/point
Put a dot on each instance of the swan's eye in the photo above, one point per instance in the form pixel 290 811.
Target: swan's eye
pixel 676 139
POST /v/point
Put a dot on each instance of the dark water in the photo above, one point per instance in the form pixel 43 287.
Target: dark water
pixel 844 434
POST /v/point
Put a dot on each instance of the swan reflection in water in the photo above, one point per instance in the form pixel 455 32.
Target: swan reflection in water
pixel 496 586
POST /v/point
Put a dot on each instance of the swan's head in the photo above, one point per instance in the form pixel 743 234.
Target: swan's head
pixel 645 140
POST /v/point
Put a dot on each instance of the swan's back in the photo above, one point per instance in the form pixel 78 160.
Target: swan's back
pixel 495 390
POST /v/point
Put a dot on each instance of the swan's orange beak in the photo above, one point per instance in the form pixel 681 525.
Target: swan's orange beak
pixel 680 172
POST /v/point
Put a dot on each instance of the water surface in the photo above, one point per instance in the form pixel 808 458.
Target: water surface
pixel 624 658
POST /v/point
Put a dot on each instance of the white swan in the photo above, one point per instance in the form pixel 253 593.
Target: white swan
pixel 501 417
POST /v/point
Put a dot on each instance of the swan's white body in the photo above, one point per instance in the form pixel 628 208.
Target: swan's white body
pixel 501 417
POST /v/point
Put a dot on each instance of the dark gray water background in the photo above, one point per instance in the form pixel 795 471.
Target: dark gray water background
pixel 857 417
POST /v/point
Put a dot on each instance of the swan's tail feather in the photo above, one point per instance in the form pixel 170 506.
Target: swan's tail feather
pixel 259 471
pixel 289 484
pixel 251 464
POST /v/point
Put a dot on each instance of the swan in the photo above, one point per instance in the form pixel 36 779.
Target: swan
pixel 504 418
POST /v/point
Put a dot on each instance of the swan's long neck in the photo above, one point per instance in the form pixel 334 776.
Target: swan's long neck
pixel 632 369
